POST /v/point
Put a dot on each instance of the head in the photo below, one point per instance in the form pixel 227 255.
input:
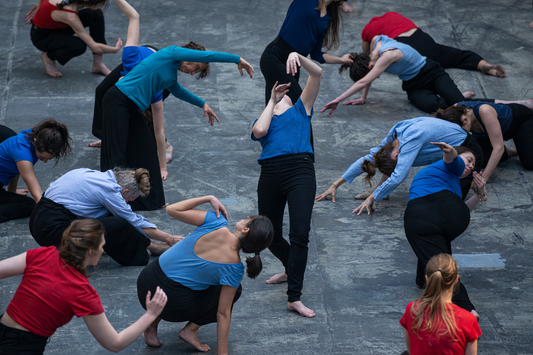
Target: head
pixel 82 244
pixel 461 115
pixel 194 68
pixel 91 4
pixel 469 159
pixel 385 160
pixel 360 66
pixel 257 235
pixel 282 106
pixel 332 37
pixel 50 140
pixel 134 183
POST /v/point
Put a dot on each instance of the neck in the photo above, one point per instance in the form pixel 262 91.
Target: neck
pixel 446 295
pixel 237 241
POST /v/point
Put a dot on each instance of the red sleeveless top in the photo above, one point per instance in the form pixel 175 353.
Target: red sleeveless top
pixel 43 17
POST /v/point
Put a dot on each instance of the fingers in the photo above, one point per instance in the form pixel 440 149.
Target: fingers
pixel 148 298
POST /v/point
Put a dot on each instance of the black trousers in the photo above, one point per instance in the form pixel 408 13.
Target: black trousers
pixel 61 44
pixel 184 304
pixel 19 342
pixel 124 244
pixel 128 142
pixel 431 223
pixel 521 132
pixel 289 179
pixel 447 57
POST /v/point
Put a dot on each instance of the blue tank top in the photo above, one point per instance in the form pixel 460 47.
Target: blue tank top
pixel 181 264
pixel 505 115
pixel 411 63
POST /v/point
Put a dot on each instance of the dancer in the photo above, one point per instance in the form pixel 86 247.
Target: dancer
pixel 18 154
pixel 403 30
pixel 288 175
pixel 54 26
pixel 55 288
pixel 126 137
pixel 407 144
pixel 436 213
pixel 202 273
pixel 433 324
pixel 85 193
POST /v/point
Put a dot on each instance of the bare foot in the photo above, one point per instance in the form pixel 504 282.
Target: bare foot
pixel 299 307
pixel 170 150
pixel 96 144
pixel 494 70
pixel 165 205
pixel 150 335
pixel 345 7
pixel 191 336
pixel 157 249
pixel 365 195
pixel 277 279
pixel 511 152
pixel 469 94
pixel 50 65
pixel 100 68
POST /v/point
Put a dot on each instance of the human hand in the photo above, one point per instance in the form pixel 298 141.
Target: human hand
pixel 155 305
pixel 246 66
pixel 31 14
pixel 331 191
pixel 209 112
pixel 117 46
pixel 332 105
pixel 164 174
pixel 367 204
pixel 219 207
pixel 278 92
pixel 293 63
pixel 22 192
pixel 480 184
pixel 354 102
pixel 446 148
pixel 174 239
pixel 347 59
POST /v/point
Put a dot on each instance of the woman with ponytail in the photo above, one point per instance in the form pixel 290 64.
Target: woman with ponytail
pixel 433 324
pixel 202 274
pixel 54 288
pixel 85 193
pixel 18 154
pixel 54 24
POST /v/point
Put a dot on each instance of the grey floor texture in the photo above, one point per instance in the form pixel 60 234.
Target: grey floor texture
pixel 361 270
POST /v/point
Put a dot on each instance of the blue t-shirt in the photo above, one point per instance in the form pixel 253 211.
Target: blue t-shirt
pixel 505 115
pixel 181 264
pixel 12 150
pixel 131 56
pixel 437 177
pixel 289 133
pixel 304 29
pixel 411 63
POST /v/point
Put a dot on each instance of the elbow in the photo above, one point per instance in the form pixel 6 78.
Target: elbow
pixel 259 132
pixel 135 16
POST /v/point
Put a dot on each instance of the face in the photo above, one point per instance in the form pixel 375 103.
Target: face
pixel 470 161
pixel 396 150
pixel 243 223
pixel 191 67
pixel 44 156
pixel 97 253
pixel 466 123
pixel 127 196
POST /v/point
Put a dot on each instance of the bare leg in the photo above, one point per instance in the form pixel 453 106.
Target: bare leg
pixel 299 307
pixel 169 151
pixel 189 334
pixel 157 248
pixel 96 144
pixel 469 94
pixel 489 69
pixel 99 66
pixel 527 103
pixel 150 334
pixel 278 278
pixel 511 152
pixel 50 65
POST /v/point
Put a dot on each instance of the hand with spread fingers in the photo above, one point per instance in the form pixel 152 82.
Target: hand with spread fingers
pixel 293 63
pixel 209 112
pixel 246 66
pixel 367 204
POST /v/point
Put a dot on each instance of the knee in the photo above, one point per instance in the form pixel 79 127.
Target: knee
pixel 78 48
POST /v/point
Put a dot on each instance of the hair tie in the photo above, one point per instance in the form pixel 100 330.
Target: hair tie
pixel 439 270
pixel 256 254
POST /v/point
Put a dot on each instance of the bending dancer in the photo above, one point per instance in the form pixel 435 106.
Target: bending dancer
pixel 436 213
pixel 55 288
pixel 18 154
pixel 433 324
pixel 407 144
pixel 85 193
pixel 288 175
pixel 126 137
pixel 54 26
pixel 202 273
pixel 403 30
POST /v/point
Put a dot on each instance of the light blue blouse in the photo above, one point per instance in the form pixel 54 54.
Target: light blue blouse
pixel 411 63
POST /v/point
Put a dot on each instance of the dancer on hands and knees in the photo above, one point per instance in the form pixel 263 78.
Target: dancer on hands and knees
pixel 202 274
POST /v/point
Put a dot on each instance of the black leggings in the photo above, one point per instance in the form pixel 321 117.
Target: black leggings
pixel 19 342
pixel 184 304
pixel 447 57
pixel 61 44
pixel 289 179
pixel 124 243
pixel 431 223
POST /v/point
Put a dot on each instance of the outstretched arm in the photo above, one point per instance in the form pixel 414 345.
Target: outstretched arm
pixel 184 210
pixel 494 131
pixel 134 25
pixel 449 152
pixel 159 131
pixel 13 266
pixel 225 301
pixel 312 87
pixel 331 59
pixel 28 175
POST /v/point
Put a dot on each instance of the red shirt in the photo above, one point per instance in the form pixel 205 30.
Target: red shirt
pixel 51 293
pixel 390 24
pixel 43 17
pixel 424 342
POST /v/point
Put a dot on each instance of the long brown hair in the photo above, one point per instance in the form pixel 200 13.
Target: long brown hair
pixel 359 68
pixel 332 37
pixel 258 238
pixel 50 137
pixel 382 161
pixel 452 114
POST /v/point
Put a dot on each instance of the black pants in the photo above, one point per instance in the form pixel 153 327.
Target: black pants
pixel 61 44
pixel 289 179
pixel 124 243
pixel 19 342
pixel 184 304
pixel 128 142
pixel 447 57
pixel 521 132
pixel 431 223
pixel 471 144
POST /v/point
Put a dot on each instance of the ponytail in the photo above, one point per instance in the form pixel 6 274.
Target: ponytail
pixel 382 161
pixel 452 114
pixel 258 238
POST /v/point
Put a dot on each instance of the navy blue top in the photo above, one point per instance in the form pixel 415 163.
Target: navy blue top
pixel 289 133
pixel 181 264
pixel 304 29
pixel 12 150
pixel 131 56
pixel 437 177
pixel 505 115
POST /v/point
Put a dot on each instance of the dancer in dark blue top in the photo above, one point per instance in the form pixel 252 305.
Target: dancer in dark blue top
pixel 202 273
pixel 436 213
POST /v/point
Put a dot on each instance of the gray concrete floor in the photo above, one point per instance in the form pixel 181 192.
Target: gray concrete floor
pixel 361 270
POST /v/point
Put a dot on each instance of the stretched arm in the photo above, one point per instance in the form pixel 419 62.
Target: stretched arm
pixel 134 24
pixel 28 175
pixel 261 126
pixel 490 120
pixel 449 152
pixel 184 210
pixel 224 317
pixel 331 59
pixel 115 204
pixel 331 191
pixel 13 266
pixel 31 14
pixel 159 130
pixel 480 184
pixel 156 234
pixel 312 87
pixel 108 337
pixel 12 186
pixel 368 204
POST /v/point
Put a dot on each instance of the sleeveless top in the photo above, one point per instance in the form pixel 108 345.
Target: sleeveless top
pixel 411 63
pixel 505 115
pixel 43 17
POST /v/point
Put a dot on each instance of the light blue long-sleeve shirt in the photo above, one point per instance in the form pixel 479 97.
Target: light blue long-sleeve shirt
pixel 93 194
pixel 414 136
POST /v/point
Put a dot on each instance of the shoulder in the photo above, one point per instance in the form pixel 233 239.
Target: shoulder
pixel 211 219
